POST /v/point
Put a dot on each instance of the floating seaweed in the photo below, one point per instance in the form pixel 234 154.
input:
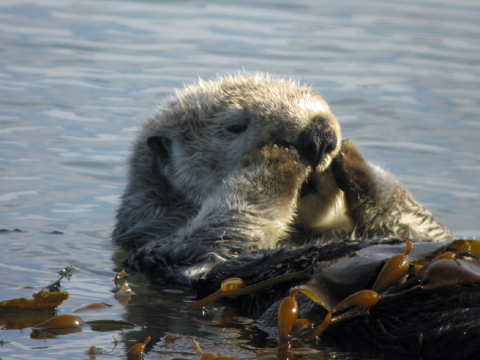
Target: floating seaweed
pixel 372 278
pixel 40 301
pixel 92 307
pixel 138 349
pixel 47 298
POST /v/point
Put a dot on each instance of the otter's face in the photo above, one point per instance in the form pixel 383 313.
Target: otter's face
pixel 209 131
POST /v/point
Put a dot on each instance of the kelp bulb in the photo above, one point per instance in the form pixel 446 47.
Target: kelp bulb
pixel 232 284
pixel 287 315
pixel 61 321
pixel 139 349
pixel 362 299
pixel 208 356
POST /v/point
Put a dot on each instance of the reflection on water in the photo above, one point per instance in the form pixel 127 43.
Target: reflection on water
pixel 78 77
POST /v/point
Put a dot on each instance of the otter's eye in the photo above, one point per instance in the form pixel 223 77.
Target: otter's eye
pixel 237 129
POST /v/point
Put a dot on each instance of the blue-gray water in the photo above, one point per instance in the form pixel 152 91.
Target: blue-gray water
pixel 78 77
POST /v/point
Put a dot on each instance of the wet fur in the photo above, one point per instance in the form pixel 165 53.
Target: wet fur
pixel 230 169
pixel 434 324
pixel 378 204
pixel 251 162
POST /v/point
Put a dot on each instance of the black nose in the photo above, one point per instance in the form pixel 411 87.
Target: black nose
pixel 315 142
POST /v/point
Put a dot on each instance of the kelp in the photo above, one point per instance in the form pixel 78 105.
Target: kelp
pixel 40 301
pixel 92 307
pixel 110 325
pixel 427 265
pixel 61 321
pixel 343 287
pixel 49 297
pixel 350 286
pixel 138 349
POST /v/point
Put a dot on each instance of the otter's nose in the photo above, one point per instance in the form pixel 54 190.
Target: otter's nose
pixel 315 142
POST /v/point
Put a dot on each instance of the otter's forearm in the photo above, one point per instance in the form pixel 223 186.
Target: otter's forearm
pixel 144 214
pixel 378 204
pixel 251 209
pixel 255 204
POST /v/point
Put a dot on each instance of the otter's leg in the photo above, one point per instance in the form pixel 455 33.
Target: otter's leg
pixel 378 204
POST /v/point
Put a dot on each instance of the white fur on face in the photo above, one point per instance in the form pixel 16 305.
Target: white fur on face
pixel 204 151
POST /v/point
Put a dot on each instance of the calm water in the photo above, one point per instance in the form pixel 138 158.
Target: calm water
pixel 78 77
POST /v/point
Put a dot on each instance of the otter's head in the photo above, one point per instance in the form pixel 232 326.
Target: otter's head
pixel 203 134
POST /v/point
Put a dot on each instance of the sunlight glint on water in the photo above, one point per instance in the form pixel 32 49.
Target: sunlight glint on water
pixel 78 77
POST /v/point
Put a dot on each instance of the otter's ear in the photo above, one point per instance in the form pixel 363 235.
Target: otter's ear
pixel 159 147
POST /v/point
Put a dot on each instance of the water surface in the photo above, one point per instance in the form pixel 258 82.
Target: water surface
pixel 77 78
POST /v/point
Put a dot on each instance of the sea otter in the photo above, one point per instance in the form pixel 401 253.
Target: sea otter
pixel 251 162
pixel 249 176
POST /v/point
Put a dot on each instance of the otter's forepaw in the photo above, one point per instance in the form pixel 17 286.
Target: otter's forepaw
pixel 285 165
pixel 351 171
pixel 339 172
pixel 275 171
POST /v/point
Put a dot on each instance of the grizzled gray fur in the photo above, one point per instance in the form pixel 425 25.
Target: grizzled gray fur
pixel 250 162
